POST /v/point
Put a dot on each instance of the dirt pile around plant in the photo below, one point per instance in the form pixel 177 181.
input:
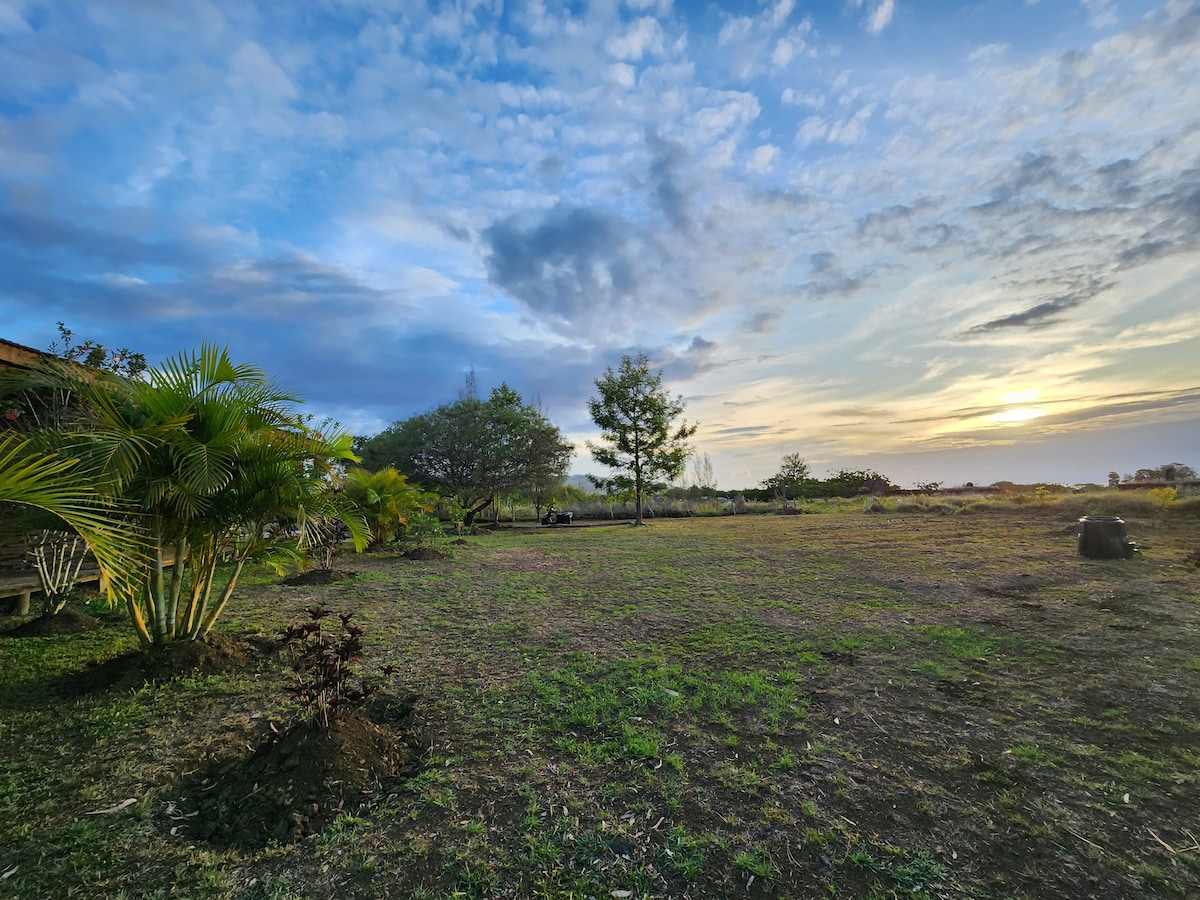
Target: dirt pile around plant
pixel 317 577
pixel 426 553
pixel 296 784
pixel 66 622
pixel 218 654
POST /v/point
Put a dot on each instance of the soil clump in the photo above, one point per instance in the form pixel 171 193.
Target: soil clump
pixel 68 621
pixel 298 782
pixel 218 654
pixel 317 577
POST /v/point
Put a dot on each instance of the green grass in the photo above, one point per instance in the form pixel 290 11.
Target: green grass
pixel 812 702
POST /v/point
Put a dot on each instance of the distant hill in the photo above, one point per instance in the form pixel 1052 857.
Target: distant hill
pixel 581 482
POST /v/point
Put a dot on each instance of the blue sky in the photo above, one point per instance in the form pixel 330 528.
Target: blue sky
pixel 950 241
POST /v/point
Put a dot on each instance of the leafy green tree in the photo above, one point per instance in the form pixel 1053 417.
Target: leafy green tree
pixel 1167 472
pixel 475 450
pixel 547 478
pixel 219 466
pixel 1162 497
pixel 851 482
pixel 788 483
pixel 95 355
pixel 387 502
pixel 640 437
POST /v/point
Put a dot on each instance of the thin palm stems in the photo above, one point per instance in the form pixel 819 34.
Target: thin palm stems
pixel 211 618
pixel 181 552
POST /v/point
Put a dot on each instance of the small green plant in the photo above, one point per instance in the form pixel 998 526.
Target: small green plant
pixel 685 853
pixel 754 862
pixel 328 681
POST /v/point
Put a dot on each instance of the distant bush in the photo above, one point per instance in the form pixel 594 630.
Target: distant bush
pixel 1162 497
pixel 1188 506
pixel 1114 503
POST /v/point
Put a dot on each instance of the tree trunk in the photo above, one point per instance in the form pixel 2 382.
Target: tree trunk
pixel 469 519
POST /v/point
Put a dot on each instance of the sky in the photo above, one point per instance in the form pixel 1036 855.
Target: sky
pixel 949 241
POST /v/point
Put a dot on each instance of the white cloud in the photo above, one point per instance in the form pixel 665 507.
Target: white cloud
pixel 881 16
pixel 645 37
pixel 852 130
pixel 623 74
pixel 781 10
pixel 879 13
pixel 790 97
pixel 735 29
pixel 783 53
pixel 1101 13
pixel 811 130
pixel 663 7
pixel 763 159
pixel 254 72
pixel 987 53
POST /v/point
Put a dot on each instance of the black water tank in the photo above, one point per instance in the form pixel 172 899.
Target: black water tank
pixel 1104 537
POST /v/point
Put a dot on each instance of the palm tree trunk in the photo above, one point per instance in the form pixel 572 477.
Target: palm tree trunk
pixel 204 627
pixel 139 621
pixel 181 551
pixel 203 570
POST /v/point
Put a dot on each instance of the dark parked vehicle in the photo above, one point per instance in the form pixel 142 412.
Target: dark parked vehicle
pixel 554 517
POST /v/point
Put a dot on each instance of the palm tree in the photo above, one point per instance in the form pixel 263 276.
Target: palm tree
pixel 386 501
pixel 219 465
pixel 60 486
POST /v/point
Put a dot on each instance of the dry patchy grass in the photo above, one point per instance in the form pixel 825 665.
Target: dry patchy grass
pixel 897 705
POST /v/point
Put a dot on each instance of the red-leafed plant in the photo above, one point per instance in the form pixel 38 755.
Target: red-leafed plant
pixel 329 680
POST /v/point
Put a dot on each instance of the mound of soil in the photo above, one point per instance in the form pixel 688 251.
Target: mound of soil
pixel 317 576
pixel 295 784
pixel 218 654
pixel 66 622
pixel 426 553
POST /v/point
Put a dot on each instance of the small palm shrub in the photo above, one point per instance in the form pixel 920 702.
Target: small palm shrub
pixel 388 502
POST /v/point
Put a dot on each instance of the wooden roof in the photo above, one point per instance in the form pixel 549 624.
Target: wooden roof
pixel 13 355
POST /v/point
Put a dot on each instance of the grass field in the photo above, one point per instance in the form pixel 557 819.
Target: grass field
pixel 849 705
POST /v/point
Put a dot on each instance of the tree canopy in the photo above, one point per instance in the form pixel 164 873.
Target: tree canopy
pixel 1166 472
pixel 475 450
pixel 640 437
pixel 788 483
